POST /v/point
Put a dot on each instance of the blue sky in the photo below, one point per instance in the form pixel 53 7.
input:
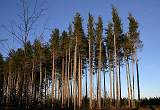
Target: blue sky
pixel 61 12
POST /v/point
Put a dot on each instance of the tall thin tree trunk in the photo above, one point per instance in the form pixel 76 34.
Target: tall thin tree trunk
pixel 32 79
pixel 65 79
pixel 111 88
pixel 138 80
pixel 75 71
pixel 90 72
pixel 120 83
pixel 129 83
pixel 79 70
pixel 45 85
pixel 116 69
pixel 86 86
pixel 133 95
pixel 81 82
pixel 63 82
pixel 110 75
pixel 113 79
pixel 53 80
pixel 40 85
pixel 99 76
pixel 105 92
pixel 68 77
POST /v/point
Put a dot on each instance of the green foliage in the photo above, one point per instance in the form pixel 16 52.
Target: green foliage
pixel 54 41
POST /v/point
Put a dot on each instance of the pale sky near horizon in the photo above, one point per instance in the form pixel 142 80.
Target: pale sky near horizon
pixel 61 12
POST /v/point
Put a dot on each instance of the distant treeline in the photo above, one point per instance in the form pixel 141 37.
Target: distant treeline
pixel 150 101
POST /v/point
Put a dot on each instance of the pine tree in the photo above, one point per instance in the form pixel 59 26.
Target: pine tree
pixel 90 42
pixel 54 47
pixel 110 52
pixel 136 43
pixel 99 31
pixel 118 37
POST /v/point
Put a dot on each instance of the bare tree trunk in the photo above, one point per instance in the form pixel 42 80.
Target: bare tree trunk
pixel 58 89
pixel 45 86
pixel 55 94
pixel 105 92
pixel 133 95
pixel 63 82
pixel 129 83
pixel 111 88
pixel 68 77
pixel 72 81
pixel 113 79
pixel 120 84
pixel 53 67
pixel 75 71
pixel 40 85
pixel 116 69
pixel 99 77
pixel 79 70
pixel 138 87
pixel 81 82
pixel 90 72
pixel 86 86
pixel 32 79
pixel 110 75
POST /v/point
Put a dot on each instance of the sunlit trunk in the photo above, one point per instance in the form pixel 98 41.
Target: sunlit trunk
pixel 32 88
pixel 40 84
pixel 116 69
pixel 65 79
pixel 74 73
pixel 45 85
pixel 53 79
pixel 128 83
pixel 90 72
pixel 99 76
pixel 133 92
pixel 62 82
pixel 79 70
pixel 68 78
pixel 120 97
